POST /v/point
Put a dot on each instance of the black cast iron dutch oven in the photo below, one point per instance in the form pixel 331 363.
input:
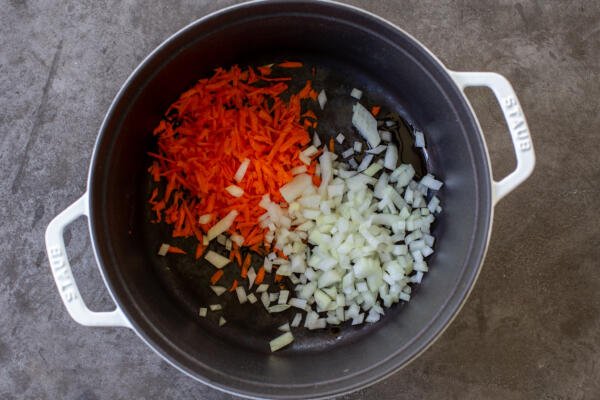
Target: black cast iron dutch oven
pixel 360 49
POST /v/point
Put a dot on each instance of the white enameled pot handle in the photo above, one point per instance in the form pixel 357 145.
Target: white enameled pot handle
pixel 517 125
pixel 61 270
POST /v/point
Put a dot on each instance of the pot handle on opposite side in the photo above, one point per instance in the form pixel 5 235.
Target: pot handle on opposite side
pixel 61 270
pixel 517 126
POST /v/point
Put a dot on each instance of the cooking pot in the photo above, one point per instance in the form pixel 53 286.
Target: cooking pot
pixel 362 49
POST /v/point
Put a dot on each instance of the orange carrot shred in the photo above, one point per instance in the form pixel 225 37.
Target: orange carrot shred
pixel 331 145
pixel 260 276
pixel 290 64
pixel 199 250
pixel 175 250
pixel 375 110
pixel 245 266
pixel 278 278
pixel 234 285
pixel 216 276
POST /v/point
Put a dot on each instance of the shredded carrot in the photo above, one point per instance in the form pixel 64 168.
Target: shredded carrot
pixel 234 285
pixel 290 64
pixel 175 250
pixel 199 251
pixel 260 276
pixel 205 136
pixel 246 265
pixel 375 110
pixel 278 278
pixel 216 276
pixel 331 145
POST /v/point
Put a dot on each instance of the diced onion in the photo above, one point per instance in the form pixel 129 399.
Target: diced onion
pixel 366 124
pixel 216 259
pixel 391 157
pixel 356 93
pixel 281 341
pixel 340 138
pixel 235 191
pixel 347 153
pixel 222 321
pixel 219 290
pixel 252 298
pixel 203 311
pixel 241 171
pixel 163 250
pixel 385 136
pixel 204 219
pixel 419 139
pixel 222 225
pixel 322 99
pixel 241 294
pixel 316 140
pixel 377 150
pixel 296 321
pixel 292 190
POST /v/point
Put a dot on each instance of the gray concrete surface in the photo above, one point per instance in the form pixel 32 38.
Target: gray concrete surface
pixel 531 328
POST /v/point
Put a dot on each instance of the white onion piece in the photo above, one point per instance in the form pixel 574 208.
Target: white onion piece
pixel 309 151
pixel 366 124
pixel 235 191
pixel 216 259
pixel 215 307
pixel 296 321
pixel 241 294
pixel 322 99
pixel 366 161
pixel 204 219
pixel 264 298
pixel 293 189
pixel 385 136
pixel 391 157
pixel 419 139
pixel 222 321
pixel 219 290
pixel 278 308
pixel 222 225
pixel 252 298
pixel 283 297
pixel 316 140
pixel 377 150
pixel 357 147
pixel 263 287
pixel 241 171
pixel 347 153
pixel 237 239
pixel 356 93
pixel 284 328
pixel 203 311
pixel 298 303
pixel 251 277
pixel 340 138
pixel 430 182
pixel 163 250
pixel 281 341
pixel 299 170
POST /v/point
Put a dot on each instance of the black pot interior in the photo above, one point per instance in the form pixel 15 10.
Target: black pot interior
pixel 161 297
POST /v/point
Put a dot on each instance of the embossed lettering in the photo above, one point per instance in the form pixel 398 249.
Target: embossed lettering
pixel 525 145
pixel 510 102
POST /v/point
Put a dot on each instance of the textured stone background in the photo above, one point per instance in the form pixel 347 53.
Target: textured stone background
pixel 531 328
